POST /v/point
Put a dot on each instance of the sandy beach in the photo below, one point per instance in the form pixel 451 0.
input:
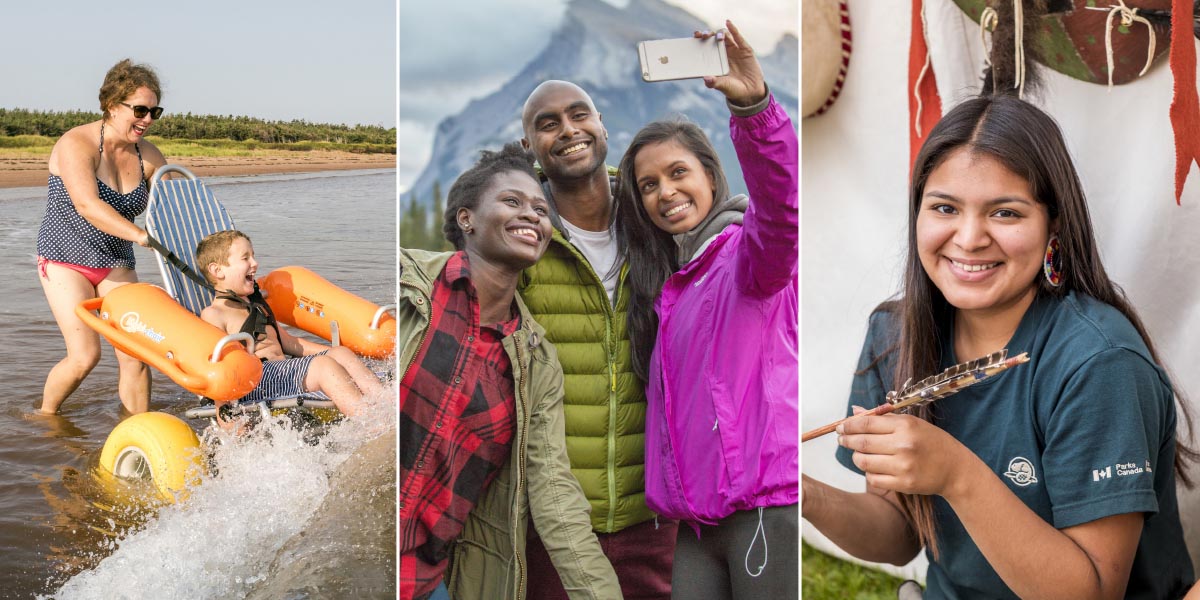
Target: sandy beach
pixel 31 172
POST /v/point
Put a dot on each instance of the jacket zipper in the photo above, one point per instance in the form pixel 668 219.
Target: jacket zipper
pixel 522 395
pixel 609 352
pixel 420 344
pixel 613 401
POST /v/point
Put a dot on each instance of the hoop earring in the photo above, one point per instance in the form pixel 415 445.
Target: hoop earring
pixel 1052 264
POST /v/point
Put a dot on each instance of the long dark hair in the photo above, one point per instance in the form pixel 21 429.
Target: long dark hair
pixel 649 251
pixel 1029 143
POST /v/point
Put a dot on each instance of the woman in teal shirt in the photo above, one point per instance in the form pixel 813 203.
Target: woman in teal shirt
pixel 1057 478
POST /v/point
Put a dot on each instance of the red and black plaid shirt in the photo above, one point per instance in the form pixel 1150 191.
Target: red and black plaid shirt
pixel 457 419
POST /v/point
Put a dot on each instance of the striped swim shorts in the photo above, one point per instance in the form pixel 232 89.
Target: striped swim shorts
pixel 281 379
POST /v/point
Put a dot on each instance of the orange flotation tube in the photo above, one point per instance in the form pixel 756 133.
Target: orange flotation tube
pixel 143 321
pixel 301 298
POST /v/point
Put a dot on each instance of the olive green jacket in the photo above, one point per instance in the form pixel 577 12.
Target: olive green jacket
pixel 488 559
pixel 605 402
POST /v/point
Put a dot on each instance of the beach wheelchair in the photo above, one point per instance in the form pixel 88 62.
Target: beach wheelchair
pixel 162 328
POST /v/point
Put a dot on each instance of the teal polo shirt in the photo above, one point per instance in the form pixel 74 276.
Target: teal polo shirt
pixel 1084 431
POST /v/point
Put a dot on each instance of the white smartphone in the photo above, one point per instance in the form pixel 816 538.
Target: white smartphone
pixel 682 58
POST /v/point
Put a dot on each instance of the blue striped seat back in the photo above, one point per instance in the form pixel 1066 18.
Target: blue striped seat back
pixel 180 214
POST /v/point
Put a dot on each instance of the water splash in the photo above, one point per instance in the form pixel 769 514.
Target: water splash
pixel 277 511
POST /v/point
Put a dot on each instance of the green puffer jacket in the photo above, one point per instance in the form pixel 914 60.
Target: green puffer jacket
pixel 605 401
pixel 488 559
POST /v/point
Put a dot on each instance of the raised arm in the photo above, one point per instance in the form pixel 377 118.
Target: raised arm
pixel 744 84
pixel 769 154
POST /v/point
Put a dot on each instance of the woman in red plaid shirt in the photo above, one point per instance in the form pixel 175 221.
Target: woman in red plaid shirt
pixel 482 441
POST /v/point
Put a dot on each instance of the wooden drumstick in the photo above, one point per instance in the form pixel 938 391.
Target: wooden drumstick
pixel 946 383
pixel 882 409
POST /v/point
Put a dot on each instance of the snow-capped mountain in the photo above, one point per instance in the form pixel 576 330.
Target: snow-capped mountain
pixel 596 47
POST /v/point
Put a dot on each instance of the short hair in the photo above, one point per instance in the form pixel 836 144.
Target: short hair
pixel 467 188
pixel 540 90
pixel 214 249
pixel 123 79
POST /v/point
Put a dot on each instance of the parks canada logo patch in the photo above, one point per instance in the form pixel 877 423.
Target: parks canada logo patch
pixel 1020 471
pixel 1121 470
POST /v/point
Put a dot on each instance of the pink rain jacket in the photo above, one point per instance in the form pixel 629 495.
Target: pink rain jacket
pixel 723 397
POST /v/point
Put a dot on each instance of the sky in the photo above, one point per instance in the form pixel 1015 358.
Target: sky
pixel 451 32
pixel 325 62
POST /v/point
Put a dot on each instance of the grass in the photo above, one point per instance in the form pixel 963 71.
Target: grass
pixel 26 146
pixel 36 146
pixel 827 578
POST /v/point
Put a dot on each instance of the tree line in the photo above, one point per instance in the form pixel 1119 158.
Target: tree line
pixel 19 121
pixel 420 227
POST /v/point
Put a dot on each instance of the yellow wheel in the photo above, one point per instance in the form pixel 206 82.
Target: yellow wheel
pixel 321 416
pixel 158 448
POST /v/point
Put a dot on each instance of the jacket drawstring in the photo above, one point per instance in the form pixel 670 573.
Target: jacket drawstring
pixel 752 540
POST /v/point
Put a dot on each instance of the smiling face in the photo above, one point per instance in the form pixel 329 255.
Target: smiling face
pixel 675 189
pixel 122 120
pixel 510 224
pixel 238 274
pixel 981 235
pixel 564 132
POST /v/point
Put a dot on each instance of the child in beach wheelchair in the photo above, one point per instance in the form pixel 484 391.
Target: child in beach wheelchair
pixel 162 327
pixel 205 357
pixel 291 366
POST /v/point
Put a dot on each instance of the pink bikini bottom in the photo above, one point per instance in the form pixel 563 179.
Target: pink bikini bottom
pixel 93 274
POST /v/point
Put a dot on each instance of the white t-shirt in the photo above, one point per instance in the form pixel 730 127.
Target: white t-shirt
pixel 600 250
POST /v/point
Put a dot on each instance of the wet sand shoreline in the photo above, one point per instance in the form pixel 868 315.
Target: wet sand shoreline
pixel 32 171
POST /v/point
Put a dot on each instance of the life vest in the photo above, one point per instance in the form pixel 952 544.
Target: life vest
pixel 261 316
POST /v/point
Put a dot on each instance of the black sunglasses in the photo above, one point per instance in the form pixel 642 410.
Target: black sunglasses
pixel 140 111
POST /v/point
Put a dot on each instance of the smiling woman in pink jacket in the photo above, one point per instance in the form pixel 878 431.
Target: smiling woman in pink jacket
pixel 712 321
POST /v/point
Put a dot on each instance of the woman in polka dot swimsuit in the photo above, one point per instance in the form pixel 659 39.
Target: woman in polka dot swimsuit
pixel 98 184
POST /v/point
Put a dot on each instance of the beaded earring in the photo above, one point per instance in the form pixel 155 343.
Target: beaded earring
pixel 1052 265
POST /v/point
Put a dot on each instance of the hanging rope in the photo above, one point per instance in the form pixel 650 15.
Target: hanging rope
pixel 746 562
pixel 1019 38
pixel 920 77
pixel 988 19
pixel 1128 17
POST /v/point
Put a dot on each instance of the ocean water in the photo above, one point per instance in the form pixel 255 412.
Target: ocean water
pixel 279 517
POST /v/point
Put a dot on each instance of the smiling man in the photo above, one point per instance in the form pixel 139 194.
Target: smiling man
pixel 577 292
